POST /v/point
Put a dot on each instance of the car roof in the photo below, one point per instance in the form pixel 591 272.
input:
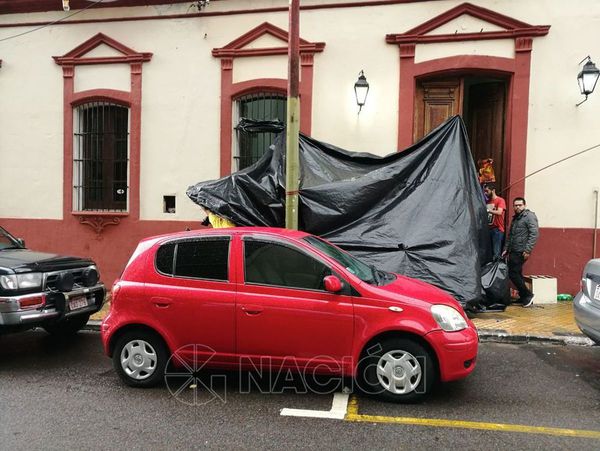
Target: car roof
pixel 274 231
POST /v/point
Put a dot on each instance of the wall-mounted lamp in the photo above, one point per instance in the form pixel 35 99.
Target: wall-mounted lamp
pixel 361 89
pixel 201 4
pixel 66 6
pixel 587 78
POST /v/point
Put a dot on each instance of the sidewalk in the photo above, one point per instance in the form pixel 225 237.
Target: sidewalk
pixel 544 322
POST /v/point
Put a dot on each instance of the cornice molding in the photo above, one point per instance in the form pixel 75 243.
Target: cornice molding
pixel 236 47
pixel 77 57
pixel 514 29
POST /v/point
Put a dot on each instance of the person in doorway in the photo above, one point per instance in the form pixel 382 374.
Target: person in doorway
pixel 496 208
pixel 523 234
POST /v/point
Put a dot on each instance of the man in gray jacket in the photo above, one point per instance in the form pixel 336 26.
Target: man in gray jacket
pixel 523 234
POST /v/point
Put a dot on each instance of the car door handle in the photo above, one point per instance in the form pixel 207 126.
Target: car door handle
pixel 252 310
pixel 162 302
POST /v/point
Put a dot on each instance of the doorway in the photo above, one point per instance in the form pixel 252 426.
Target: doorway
pixel 481 101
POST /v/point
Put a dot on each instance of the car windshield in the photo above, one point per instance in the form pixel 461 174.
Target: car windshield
pixel 361 270
pixel 7 241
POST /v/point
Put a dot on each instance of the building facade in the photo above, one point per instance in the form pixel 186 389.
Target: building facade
pixel 112 109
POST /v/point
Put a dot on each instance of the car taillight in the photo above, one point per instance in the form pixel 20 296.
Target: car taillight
pixel 31 302
pixel 584 286
pixel 114 293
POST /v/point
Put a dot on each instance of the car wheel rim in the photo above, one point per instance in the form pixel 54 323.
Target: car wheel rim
pixel 399 372
pixel 138 359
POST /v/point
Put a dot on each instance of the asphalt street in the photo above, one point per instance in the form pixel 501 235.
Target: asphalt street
pixel 65 394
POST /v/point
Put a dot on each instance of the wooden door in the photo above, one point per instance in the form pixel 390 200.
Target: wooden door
pixel 436 101
pixel 485 124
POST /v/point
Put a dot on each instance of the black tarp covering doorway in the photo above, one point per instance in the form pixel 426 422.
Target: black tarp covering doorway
pixel 419 212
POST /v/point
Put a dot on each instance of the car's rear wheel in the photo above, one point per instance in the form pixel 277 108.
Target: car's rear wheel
pixel 139 358
pixel 68 326
pixel 397 370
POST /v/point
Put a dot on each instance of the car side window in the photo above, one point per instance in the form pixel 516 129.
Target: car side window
pixel 198 259
pixel 267 263
pixel 164 258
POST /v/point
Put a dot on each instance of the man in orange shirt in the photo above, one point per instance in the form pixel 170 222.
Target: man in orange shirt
pixel 496 207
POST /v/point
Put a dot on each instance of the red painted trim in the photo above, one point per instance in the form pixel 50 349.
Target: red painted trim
pixel 110 249
pixel 29 6
pixel 131 99
pixel 100 213
pixel 519 120
pixel 92 95
pixel 105 60
pixel 135 139
pixel 75 56
pixel 267 51
pixel 518 72
pixel 236 47
pixel 68 94
pixel 465 8
pixel 242 88
pixel 488 35
pixel 561 253
pixel 262 29
pixel 226 115
pixel 465 62
pixel 306 91
pixel 229 90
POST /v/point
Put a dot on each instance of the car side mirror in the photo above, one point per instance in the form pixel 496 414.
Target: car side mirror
pixel 332 284
pixel 21 241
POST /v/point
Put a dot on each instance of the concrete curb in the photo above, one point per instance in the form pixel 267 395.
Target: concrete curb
pixel 499 336
pixel 93 325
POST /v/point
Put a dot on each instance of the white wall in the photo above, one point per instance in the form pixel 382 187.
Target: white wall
pixel 181 94
pixel 31 127
pixel 562 195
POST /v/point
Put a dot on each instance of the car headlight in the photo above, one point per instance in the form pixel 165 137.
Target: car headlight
pixel 448 318
pixel 9 282
pixel 21 281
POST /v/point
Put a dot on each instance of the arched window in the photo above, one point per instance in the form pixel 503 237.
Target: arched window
pixel 262 106
pixel 101 157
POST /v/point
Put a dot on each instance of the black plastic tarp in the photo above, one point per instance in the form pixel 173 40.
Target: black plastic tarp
pixel 419 212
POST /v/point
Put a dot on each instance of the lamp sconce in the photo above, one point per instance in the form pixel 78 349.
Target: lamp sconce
pixel 587 78
pixel 201 4
pixel 361 89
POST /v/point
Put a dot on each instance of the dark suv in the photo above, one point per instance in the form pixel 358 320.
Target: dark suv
pixel 51 291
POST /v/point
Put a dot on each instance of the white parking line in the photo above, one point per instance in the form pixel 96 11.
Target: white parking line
pixel 339 406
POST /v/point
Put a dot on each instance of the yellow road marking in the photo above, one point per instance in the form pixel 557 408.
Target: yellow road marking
pixel 352 407
pixel 354 416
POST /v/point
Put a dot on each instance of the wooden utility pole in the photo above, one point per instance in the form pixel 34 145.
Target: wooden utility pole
pixel 293 119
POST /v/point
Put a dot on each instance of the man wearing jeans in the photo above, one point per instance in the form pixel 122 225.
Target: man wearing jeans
pixel 496 207
pixel 523 234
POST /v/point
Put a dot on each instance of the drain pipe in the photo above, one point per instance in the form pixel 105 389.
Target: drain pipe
pixel 595 223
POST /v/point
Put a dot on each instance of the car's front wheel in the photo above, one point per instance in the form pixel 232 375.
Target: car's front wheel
pixel 397 370
pixel 140 358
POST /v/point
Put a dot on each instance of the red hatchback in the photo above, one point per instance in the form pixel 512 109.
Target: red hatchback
pixel 235 298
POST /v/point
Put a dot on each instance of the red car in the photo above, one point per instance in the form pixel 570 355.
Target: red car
pixel 240 297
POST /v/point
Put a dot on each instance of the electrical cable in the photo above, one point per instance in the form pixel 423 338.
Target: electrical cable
pixel 550 165
pixel 52 23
